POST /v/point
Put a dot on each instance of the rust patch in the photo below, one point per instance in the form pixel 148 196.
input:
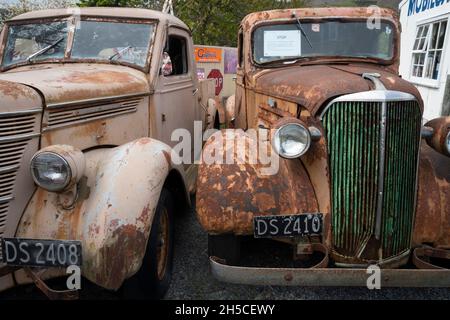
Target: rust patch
pixel 168 157
pixel 120 255
pixel 229 196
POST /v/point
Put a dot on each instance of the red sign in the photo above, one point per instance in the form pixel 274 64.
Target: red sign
pixel 218 77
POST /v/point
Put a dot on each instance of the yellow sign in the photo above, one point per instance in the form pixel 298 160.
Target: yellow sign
pixel 207 54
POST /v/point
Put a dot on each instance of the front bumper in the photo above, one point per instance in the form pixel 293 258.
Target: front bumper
pixel 329 277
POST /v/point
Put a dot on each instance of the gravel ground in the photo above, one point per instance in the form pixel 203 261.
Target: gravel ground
pixel 192 279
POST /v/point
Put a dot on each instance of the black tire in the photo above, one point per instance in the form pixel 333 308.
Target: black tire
pixel 217 121
pixel 226 247
pixel 152 282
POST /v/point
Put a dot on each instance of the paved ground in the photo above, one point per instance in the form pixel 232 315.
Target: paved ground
pixel 192 279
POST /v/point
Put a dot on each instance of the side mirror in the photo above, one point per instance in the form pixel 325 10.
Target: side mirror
pixel 439 139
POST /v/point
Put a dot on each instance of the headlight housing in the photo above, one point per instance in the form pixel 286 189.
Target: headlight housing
pixel 439 139
pixel 292 139
pixel 57 168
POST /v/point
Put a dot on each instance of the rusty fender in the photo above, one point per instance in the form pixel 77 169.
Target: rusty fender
pixel 113 213
pixel 230 195
pixel 432 225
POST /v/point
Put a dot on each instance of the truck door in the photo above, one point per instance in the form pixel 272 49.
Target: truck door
pixel 175 96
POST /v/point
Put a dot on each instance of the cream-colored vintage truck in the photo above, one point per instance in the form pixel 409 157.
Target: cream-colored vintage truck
pixel 86 170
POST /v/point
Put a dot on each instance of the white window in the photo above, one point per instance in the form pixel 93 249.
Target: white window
pixel 428 50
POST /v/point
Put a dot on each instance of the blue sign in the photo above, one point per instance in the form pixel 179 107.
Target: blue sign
pixel 417 6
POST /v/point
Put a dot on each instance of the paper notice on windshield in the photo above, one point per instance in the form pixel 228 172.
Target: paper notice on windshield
pixel 282 43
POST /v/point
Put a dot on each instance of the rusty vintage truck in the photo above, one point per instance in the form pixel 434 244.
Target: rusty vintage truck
pixel 361 181
pixel 87 175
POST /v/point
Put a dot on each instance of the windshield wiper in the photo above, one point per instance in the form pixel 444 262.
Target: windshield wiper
pixel 294 15
pixel 44 50
pixel 119 52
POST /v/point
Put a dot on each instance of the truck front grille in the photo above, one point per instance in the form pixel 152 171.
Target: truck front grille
pixel 371 178
pixel 19 133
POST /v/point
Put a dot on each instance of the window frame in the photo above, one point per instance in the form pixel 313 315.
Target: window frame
pixel 185 54
pixel 423 80
pixel 71 22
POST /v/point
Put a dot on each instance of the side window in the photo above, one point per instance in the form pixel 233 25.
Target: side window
pixel 241 48
pixel 177 53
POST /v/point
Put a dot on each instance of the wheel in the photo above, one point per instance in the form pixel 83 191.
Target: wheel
pixel 153 278
pixel 226 247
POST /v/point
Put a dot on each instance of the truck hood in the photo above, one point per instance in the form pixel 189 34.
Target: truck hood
pixel 64 83
pixel 313 85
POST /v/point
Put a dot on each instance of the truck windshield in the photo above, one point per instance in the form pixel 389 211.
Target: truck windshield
pixel 286 42
pixel 92 40
pixel 114 41
pixel 25 41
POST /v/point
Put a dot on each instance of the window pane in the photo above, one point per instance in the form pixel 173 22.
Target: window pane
pixel 416 44
pixel 420 72
pixel 419 32
pixel 277 42
pixel 430 61
pixel 114 41
pixel 422 58
pixel 422 45
pixel 442 35
pixel 425 31
pixel 25 40
pixel 434 35
pixel 437 64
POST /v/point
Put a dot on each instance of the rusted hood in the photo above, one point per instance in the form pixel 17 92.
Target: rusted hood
pixel 63 83
pixel 313 85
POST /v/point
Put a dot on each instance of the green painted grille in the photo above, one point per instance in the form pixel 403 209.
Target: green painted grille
pixel 354 140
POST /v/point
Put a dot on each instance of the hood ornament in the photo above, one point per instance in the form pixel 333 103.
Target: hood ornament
pixel 375 78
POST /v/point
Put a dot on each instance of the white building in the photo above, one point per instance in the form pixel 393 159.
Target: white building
pixel 425 52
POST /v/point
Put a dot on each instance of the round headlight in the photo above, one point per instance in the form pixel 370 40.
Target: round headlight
pixel 292 140
pixel 57 168
pixel 50 171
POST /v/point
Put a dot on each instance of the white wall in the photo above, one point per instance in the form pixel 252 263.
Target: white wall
pixel 432 91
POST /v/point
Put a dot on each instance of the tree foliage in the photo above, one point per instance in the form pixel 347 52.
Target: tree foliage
pixel 9 10
pixel 213 22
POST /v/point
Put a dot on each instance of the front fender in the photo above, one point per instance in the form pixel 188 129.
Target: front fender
pixel 230 195
pixel 432 225
pixel 113 215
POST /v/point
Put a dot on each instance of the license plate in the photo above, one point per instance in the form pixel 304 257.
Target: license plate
pixel 288 226
pixel 41 253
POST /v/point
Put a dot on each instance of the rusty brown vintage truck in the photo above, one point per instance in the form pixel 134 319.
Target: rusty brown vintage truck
pixel 361 181
pixel 87 175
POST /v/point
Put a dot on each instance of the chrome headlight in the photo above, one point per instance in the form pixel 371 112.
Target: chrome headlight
pixel 292 140
pixel 57 168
